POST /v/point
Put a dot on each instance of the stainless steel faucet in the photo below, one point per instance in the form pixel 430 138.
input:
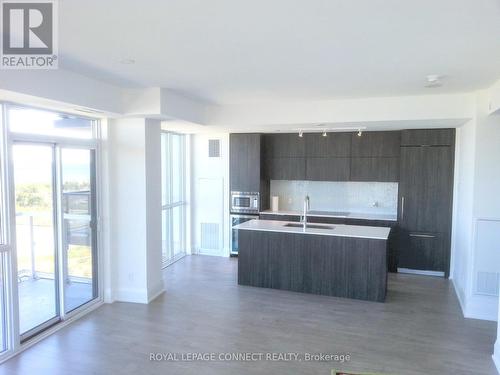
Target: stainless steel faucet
pixel 306 209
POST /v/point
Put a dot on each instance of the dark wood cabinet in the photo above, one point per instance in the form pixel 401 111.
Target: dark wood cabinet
pixel 327 169
pixel 285 168
pixel 337 157
pixel 277 217
pixel 375 156
pixel 376 144
pixel 334 145
pixel 328 265
pixel 425 205
pixel 328 158
pixel 284 145
pixel 425 251
pixel 428 137
pixel 426 189
pixel 392 242
pixel 284 157
pixel 381 169
pixel 244 162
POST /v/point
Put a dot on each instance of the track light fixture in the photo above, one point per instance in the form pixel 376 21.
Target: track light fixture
pixel 301 133
pixel 360 133
pixel 324 134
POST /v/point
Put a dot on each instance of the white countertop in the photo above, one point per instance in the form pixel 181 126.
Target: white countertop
pixel 341 230
pixel 348 215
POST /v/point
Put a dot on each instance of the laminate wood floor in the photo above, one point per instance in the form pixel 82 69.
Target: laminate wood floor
pixel 419 330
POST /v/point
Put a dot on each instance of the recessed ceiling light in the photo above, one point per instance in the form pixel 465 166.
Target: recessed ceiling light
pixel 434 80
pixel 127 61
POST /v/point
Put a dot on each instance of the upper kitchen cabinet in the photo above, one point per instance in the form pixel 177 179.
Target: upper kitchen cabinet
pixel 375 169
pixel 428 137
pixel 244 162
pixel 327 158
pixel 286 145
pixel 376 144
pixel 327 169
pixel 285 169
pixel 375 156
pixel 284 156
pixel 334 145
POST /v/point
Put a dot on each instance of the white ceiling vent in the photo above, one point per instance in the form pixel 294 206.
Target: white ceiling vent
pixel 214 148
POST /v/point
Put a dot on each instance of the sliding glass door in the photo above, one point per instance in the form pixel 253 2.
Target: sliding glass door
pixel 54 206
pixel 78 227
pixel 55 209
pixel 37 271
pixel 173 197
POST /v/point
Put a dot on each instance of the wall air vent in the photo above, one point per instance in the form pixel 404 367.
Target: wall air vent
pixel 209 233
pixel 214 148
pixel 487 283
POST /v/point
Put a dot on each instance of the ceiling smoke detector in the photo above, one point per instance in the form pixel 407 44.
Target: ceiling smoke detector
pixel 434 80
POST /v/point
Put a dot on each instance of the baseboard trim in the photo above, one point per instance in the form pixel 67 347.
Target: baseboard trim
pixel 482 307
pixel 143 295
pixel 131 295
pixel 477 307
pixel 158 290
pixel 496 355
pixel 421 272
pixel 460 297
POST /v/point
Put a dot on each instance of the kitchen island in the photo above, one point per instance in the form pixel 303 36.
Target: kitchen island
pixel 336 260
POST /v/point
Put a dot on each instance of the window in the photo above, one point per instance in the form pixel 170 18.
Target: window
pixel 35 121
pixel 173 197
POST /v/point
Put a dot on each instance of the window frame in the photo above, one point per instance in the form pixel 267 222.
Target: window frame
pixel 13 340
pixel 167 191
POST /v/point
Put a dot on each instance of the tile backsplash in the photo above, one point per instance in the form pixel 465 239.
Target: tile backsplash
pixel 359 197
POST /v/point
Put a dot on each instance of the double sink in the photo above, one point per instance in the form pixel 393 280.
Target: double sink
pixel 311 226
pixel 317 226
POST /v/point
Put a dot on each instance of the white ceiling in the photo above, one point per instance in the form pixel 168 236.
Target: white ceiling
pixel 233 51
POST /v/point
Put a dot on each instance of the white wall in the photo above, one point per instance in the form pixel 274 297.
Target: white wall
pixel 152 180
pixel 135 209
pixel 463 207
pixel 210 192
pixel 364 110
pixel 496 354
pixel 61 86
pixel 476 234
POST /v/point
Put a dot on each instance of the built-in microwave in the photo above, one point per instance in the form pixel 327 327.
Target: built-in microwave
pixel 244 202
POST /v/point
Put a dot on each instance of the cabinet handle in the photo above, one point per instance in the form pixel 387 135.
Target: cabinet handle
pixel 402 208
pixel 422 235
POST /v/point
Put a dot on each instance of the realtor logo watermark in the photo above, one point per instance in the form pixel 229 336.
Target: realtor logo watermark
pixel 29 34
